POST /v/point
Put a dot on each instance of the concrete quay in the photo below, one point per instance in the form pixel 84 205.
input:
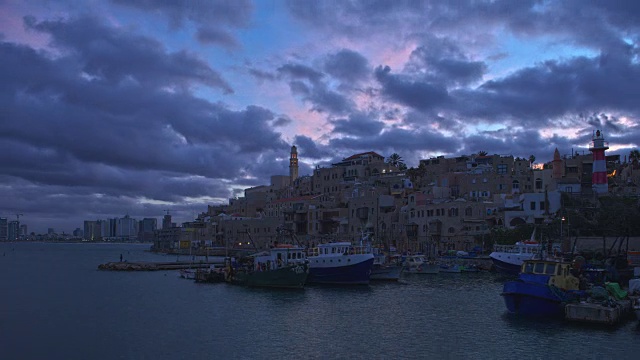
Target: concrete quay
pixel 153 266
pixel 597 313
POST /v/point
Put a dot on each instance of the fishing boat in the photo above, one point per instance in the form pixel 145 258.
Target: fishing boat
pixel 211 275
pixel 383 269
pixel 188 273
pixel 284 266
pixel 508 259
pixel 543 288
pixel 340 263
pixel 418 264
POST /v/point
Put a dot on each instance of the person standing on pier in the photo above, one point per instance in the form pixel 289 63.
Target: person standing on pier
pixel 120 257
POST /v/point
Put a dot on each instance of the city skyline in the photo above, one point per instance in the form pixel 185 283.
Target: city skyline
pixel 143 107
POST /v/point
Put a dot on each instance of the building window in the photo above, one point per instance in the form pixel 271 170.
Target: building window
pixel 468 211
pixel 533 205
pixel 516 185
pixel 502 169
pixel 541 205
pixel 452 230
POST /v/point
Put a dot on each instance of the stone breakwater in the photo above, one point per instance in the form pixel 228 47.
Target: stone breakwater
pixel 153 266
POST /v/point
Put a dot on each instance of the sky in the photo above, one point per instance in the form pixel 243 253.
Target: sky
pixel 148 107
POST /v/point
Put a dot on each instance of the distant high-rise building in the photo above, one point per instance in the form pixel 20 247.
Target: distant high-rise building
pixel 92 230
pixel 166 222
pixel 13 230
pixel 146 229
pixel 50 231
pixel 23 232
pixel 127 228
pixel 4 235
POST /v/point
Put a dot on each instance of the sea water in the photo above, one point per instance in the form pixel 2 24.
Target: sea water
pixel 55 304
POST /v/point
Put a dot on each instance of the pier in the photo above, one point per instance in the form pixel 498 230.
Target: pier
pixel 153 266
pixel 597 313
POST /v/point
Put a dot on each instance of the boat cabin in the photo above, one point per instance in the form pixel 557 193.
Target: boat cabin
pixel 340 248
pixel 282 255
pixel 549 272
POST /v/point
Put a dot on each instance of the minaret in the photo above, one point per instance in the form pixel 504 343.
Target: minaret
pixel 293 165
pixel 599 178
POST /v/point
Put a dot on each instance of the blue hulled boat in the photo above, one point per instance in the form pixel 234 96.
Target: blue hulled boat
pixel 542 289
pixel 340 263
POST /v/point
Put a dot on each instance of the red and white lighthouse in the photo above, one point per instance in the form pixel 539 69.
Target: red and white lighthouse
pixel 599 177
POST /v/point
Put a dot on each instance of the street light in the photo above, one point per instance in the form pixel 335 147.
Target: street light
pixel 561 222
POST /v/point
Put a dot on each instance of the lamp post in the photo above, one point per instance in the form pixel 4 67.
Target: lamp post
pixel 561 222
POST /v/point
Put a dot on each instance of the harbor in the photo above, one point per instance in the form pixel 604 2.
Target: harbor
pixel 441 316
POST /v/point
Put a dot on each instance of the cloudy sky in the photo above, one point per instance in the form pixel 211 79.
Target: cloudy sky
pixel 135 107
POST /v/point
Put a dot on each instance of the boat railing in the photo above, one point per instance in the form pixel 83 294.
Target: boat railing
pixel 348 250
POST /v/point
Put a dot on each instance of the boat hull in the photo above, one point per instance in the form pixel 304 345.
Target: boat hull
pixel 505 267
pixel 450 268
pixel 531 299
pixel 386 273
pixel 355 274
pixel 424 269
pixel 290 276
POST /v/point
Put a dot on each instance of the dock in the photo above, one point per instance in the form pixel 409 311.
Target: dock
pixel 597 313
pixel 153 266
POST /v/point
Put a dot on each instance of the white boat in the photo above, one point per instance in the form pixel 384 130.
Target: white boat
pixel 508 259
pixel 340 263
pixel 385 270
pixel 188 274
pixel 418 264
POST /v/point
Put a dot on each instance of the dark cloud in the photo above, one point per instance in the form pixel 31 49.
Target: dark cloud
pixel 233 13
pixel 116 56
pixel 537 95
pixel 309 149
pixel 208 35
pixel 299 71
pixel 417 94
pixel 441 61
pixel 348 66
pixel 357 124
pixel 94 131
pixel 307 83
pixel 281 121
pixel 214 19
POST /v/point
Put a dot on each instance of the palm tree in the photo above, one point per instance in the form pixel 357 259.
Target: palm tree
pixel 532 159
pixel 482 153
pixel 396 160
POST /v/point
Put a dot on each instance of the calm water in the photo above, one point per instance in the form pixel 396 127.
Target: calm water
pixel 54 304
